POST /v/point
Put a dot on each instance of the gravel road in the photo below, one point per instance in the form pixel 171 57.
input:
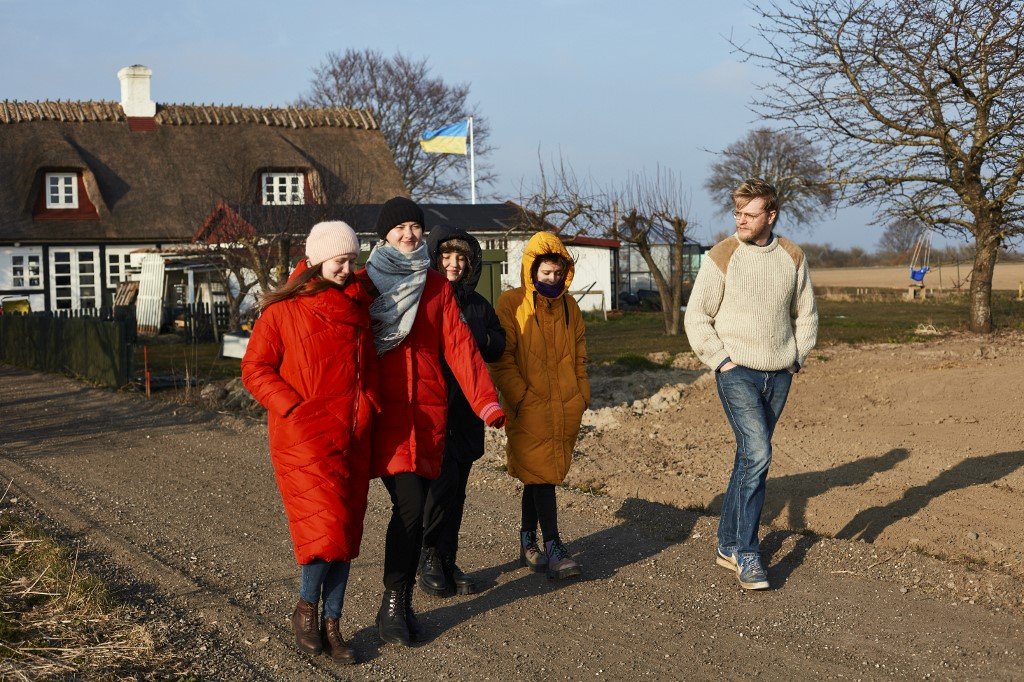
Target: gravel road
pixel 183 504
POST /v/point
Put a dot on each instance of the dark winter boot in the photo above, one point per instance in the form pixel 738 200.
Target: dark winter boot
pixel 415 629
pixel 392 625
pixel 334 644
pixel 463 583
pixel 433 579
pixel 560 564
pixel 307 629
pixel 530 554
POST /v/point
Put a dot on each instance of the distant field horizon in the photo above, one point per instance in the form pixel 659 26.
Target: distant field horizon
pixel 1008 276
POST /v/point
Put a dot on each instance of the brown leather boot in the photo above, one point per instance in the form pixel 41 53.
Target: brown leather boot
pixel 307 629
pixel 335 645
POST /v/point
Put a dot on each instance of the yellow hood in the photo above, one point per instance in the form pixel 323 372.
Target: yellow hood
pixel 540 244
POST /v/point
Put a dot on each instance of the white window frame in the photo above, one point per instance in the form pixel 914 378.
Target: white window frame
pixel 66 185
pixel 75 278
pixel 118 263
pixel 26 267
pixel 283 189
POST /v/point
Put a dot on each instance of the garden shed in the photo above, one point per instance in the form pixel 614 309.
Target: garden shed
pixel 172 286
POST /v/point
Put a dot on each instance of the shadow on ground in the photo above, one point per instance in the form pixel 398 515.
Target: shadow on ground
pixel 792 493
pixel 646 529
pixel 118 416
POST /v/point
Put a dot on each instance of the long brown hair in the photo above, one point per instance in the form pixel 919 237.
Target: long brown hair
pixel 311 281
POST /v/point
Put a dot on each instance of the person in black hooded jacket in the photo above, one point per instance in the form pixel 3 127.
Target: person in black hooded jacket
pixel 457 255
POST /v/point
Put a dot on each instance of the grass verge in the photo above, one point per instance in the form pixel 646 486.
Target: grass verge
pixel 881 317
pixel 57 621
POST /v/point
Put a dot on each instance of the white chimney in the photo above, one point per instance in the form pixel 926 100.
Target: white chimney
pixel 135 99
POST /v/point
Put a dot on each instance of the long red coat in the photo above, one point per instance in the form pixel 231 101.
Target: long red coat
pixel 312 364
pixel 408 435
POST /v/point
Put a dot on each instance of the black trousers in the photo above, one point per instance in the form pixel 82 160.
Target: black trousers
pixel 446 501
pixel 405 531
pixel 539 505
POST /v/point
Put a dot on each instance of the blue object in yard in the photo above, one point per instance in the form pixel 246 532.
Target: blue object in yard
pixel 917 274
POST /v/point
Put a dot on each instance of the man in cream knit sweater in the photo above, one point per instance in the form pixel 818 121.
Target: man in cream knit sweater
pixel 752 319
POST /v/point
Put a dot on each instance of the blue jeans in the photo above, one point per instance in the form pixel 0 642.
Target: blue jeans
pixel 329 578
pixel 753 401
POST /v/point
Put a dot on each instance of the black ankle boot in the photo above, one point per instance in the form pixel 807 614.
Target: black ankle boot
pixel 415 629
pixel 392 625
pixel 462 582
pixel 433 579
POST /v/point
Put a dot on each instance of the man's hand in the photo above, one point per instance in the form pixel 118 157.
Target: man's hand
pixel 794 368
pixel 728 366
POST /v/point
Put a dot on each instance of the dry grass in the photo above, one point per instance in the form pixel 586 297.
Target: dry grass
pixel 59 622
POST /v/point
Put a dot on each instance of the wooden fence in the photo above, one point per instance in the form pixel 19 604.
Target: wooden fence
pixel 205 322
pixel 197 322
pixel 87 347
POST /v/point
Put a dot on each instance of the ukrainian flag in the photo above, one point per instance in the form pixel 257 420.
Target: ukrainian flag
pixel 450 139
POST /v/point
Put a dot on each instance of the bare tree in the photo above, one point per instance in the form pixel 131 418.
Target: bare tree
pixel 920 104
pixel 784 158
pixel 651 213
pixel 560 201
pixel 898 239
pixel 407 100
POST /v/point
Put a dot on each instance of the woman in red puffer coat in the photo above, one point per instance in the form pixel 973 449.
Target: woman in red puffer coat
pixel 311 362
pixel 416 321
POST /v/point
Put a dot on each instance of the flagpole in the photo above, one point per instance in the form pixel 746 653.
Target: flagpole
pixel 472 164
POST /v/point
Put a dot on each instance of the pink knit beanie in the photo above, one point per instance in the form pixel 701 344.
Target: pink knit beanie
pixel 330 239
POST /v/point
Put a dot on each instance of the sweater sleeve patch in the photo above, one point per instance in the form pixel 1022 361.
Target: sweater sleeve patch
pixel 722 253
pixel 794 251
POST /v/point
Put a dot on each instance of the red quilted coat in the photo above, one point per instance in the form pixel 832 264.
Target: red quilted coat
pixel 408 434
pixel 312 364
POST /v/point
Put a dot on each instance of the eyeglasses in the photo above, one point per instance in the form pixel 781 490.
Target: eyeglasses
pixel 740 216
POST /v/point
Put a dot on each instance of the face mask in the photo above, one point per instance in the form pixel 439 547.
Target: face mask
pixel 548 290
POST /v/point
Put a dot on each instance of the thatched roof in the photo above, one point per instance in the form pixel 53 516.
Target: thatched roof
pixel 159 186
pixel 189 114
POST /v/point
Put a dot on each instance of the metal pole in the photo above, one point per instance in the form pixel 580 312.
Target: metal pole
pixel 472 165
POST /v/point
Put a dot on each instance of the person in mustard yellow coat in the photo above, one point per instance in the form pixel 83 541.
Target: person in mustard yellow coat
pixel 542 379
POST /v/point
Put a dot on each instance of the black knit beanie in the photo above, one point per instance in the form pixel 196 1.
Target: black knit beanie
pixel 396 211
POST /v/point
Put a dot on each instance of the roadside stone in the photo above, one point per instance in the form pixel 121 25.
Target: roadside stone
pixel 238 397
pixel 213 393
pixel 687 361
pixel 660 357
pixel 234 385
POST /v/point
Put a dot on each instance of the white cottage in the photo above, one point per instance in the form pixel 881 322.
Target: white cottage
pixel 84 184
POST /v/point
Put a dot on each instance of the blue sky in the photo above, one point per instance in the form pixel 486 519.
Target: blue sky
pixel 613 87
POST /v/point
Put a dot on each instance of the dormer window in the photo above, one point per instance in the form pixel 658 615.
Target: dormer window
pixel 280 189
pixel 61 190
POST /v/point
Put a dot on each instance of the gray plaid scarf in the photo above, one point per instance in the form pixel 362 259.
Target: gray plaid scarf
pixel 400 278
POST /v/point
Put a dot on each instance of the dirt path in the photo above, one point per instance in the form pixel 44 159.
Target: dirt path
pixel 906 446
pixel 185 501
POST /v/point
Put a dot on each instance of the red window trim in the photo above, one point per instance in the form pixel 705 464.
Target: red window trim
pixel 86 209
